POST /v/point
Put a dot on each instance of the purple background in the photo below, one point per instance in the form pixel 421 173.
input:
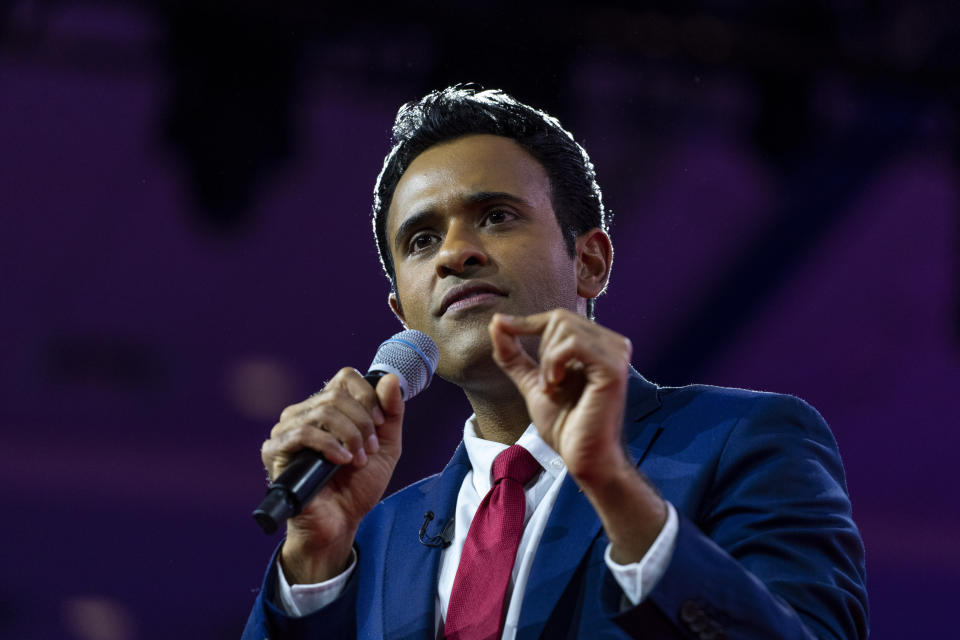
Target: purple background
pixel 186 249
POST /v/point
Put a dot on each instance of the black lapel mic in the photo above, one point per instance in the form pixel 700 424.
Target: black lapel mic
pixel 443 539
pixel 411 356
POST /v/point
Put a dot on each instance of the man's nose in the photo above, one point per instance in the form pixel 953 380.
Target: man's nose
pixel 462 249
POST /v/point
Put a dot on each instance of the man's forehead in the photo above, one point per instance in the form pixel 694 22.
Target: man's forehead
pixel 459 169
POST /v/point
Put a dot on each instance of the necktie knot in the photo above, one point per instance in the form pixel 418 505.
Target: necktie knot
pixel 515 463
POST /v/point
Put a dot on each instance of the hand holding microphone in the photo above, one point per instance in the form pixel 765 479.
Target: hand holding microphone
pixel 354 425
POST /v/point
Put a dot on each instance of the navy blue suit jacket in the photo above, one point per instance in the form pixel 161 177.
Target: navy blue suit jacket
pixel 766 546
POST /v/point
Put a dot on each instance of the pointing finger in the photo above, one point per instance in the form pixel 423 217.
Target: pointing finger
pixel 521 325
pixel 511 357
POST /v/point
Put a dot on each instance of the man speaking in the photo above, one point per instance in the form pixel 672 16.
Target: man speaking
pixel 584 501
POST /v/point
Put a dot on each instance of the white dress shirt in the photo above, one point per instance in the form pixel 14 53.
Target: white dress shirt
pixel 636 579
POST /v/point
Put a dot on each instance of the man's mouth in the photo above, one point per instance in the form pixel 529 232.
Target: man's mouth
pixel 469 294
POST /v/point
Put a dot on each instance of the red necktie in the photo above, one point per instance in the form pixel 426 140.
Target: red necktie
pixel 478 601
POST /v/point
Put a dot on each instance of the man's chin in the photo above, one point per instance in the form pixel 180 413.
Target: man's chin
pixel 465 352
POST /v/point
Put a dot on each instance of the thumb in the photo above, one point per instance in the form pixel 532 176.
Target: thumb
pixel 511 357
pixel 391 403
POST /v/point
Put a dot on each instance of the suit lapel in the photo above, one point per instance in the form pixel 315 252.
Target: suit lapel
pixel 573 524
pixel 410 590
pixel 643 398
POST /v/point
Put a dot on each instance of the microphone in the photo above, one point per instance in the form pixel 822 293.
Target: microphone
pixel 442 540
pixel 411 356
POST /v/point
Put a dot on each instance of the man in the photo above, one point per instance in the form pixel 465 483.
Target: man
pixel 645 512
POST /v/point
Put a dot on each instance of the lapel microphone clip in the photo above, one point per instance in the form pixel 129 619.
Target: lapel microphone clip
pixel 446 533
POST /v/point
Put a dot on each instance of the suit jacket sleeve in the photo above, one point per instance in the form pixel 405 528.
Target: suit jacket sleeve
pixel 771 550
pixel 268 621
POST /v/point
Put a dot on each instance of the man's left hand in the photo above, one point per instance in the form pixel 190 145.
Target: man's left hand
pixel 575 392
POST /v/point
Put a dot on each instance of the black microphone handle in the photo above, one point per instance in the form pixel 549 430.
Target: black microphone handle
pixel 306 474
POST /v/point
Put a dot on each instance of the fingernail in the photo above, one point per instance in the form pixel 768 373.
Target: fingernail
pixel 373 443
pixel 361 457
pixel 378 417
pixel 507 317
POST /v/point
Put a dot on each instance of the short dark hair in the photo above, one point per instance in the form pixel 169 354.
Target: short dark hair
pixel 467 109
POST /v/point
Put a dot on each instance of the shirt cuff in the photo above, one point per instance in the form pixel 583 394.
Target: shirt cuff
pixel 638 579
pixel 303 599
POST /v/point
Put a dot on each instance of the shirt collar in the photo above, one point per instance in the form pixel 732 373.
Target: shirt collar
pixel 483 452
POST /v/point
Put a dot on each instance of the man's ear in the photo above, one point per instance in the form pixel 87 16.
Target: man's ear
pixel 594 260
pixel 394 303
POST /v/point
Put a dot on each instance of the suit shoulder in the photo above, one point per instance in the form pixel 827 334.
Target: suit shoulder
pixel 717 414
pixel 735 403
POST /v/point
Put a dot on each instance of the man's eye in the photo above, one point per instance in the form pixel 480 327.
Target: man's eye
pixel 422 241
pixel 498 216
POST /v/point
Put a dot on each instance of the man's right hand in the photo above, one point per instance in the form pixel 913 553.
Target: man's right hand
pixel 351 424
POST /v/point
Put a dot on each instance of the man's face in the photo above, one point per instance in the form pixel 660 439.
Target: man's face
pixel 472 231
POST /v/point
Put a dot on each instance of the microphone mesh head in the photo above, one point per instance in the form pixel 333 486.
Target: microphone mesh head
pixel 410 355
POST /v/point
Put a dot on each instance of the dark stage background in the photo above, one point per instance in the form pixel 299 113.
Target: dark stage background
pixel 185 248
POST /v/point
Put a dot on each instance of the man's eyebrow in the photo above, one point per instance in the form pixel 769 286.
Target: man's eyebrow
pixel 477 197
pixel 480 197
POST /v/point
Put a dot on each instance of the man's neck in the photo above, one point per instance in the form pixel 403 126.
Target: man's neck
pixel 501 417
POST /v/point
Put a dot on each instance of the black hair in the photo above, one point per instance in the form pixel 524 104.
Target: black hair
pixel 467 109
